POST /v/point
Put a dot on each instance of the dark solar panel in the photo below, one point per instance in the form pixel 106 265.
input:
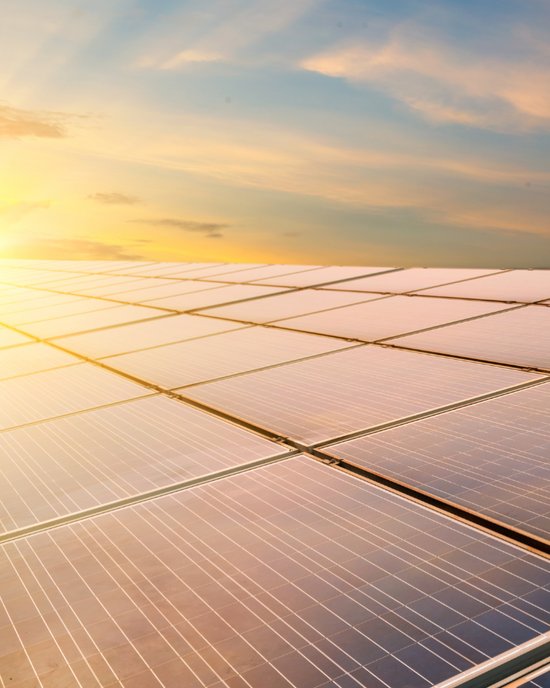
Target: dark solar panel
pixel 315 400
pixel 540 681
pixel 491 458
pixel 288 576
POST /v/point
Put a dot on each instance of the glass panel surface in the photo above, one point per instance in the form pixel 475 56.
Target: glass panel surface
pixel 316 400
pixel 389 317
pixel 266 272
pixel 212 297
pixel 520 337
pixel 107 317
pixel 30 301
pixel 70 464
pixel 134 337
pixel 198 272
pixel 53 393
pixel 43 313
pixel 289 576
pixel 152 291
pixel 10 338
pixel 224 354
pixel 412 279
pixel 288 305
pixel 523 286
pixel 322 276
pixel 541 681
pixel 491 458
pixel 22 360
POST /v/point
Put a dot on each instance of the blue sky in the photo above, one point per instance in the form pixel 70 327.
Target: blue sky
pixel 308 131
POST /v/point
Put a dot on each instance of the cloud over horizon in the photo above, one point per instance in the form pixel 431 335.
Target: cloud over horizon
pixel 211 230
pixel 18 124
pixel 115 198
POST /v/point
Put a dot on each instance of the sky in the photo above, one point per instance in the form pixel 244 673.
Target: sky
pixel 352 132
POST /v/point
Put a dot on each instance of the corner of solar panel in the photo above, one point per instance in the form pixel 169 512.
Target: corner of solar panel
pixel 273 476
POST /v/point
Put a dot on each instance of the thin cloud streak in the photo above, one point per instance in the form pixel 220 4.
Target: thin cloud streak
pixel 210 229
pixel 115 199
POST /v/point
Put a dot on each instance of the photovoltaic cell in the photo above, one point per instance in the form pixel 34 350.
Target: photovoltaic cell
pixel 287 576
pixel 315 400
pixel 41 314
pixel 153 291
pixel 523 286
pixel 107 317
pixel 11 338
pixel 517 337
pixel 266 272
pixel 30 302
pixel 388 317
pixel 71 464
pixel 212 297
pixel 224 354
pixel 288 305
pixel 541 681
pixel 412 279
pixel 491 458
pixel 321 276
pixel 145 335
pixel 58 392
pixel 207 270
pixel 23 360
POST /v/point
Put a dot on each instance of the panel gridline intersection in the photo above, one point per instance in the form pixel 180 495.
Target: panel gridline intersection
pixel 166 591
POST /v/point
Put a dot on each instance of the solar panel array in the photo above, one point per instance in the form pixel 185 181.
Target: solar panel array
pixel 272 476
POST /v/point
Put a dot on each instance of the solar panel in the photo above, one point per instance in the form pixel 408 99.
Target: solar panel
pixel 542 680
pixel 389 317
pixel 97 457
pixel 413 279
pixel 52 393
pixel 11 338
pixel 45 313
pixel 153 291
pixel 315 400
pixel 158 531
pixel 518 337
pixel 491 458
pixel 523 286
pixel 22 360
pixel 287 305
pixel 212 297
pixel 106 317
pixel 322 276
pixel 144 335
pixel 229 353
pixel 290 575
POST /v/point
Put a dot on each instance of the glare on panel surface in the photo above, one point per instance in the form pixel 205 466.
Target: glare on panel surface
pixel 70 464
pixel 519 337
pixel 11 338
pixel 411 279
pixel 389 317
pixel 116 315
pixel 47 313
pixel 175 288
pixel 22 360
pixel 266 272
pixel 289 575
pixel 224 354
pixel 137 336
pixel 198 272
pixel 523 286
pixel 315 400
pixel 34 300
pixel 212 297
pixel 322 276
pixel 491 458
pixel 289 305
pixel 52 393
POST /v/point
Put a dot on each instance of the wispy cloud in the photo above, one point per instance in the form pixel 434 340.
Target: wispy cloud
pixel 115 198
pixel 77 249
pixel 483 86
pixel 210 229
pixel 13 213
pixel 18 124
